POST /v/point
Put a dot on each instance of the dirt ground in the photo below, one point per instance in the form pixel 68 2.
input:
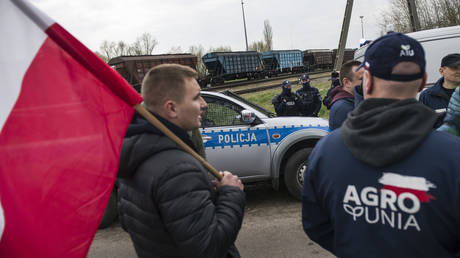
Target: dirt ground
pixel 271 228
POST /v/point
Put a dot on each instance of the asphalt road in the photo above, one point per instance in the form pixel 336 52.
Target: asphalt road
pixel 271 228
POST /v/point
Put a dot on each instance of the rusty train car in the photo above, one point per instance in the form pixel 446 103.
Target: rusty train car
pixel 323 59
pixel 134 68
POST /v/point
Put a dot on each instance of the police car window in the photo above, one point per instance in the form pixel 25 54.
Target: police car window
pixel 221 113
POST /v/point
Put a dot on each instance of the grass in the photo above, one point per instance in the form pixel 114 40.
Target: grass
pixel 264 98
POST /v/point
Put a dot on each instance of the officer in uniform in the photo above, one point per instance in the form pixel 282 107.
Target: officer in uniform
pixel 309 98
pixel 286 103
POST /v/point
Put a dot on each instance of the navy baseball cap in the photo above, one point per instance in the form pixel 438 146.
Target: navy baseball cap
pixel 451 60
pixel 304 77
pixel 387 51
pixel 286 83
pixel 334 75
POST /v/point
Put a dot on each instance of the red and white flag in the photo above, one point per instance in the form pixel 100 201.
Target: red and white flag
pixel 399 184
pixel 63 114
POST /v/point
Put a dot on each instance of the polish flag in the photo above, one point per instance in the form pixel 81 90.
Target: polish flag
pixel 63 115
pixel 399 184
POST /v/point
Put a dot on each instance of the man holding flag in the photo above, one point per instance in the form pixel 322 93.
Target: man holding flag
pixel 165 200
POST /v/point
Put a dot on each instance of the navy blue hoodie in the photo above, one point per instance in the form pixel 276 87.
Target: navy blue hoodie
pixel 385 185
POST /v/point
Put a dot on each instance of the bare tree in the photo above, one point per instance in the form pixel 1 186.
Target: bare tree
pixel 198 51
pixel 432 14
pixel 258 46
pixel 268 35
pixel 147 43
pixel 175 50
pixel 143 45
pixel 107 50
pixel 221 49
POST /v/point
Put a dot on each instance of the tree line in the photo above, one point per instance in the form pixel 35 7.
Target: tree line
pixel 431 13
pixel 146 43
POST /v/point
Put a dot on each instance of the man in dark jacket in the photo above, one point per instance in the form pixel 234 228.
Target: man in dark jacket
pixel 286 103
pixel 335 82
pixel 342 97
pixel 437 97
pixel 386 184
pixel 165 199
pixel 309 98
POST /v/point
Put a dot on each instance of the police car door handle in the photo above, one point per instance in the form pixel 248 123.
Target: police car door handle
pixel 206 138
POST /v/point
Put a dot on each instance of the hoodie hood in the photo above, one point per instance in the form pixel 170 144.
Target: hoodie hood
pixel 338 93
pixel 143 140
pixel 381 132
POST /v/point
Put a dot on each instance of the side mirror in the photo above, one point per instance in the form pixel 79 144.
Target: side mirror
pixel 247 116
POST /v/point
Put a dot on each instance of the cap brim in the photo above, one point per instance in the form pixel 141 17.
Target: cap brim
pixel 454 64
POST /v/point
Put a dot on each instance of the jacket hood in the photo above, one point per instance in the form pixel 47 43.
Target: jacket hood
pixel 143 140
pixel 381 132
pixel 338 93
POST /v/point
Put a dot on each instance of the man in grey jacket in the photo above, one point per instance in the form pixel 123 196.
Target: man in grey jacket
pixel 165 200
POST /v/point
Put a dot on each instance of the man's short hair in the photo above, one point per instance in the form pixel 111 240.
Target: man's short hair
pixel 165 82
pixel 347 70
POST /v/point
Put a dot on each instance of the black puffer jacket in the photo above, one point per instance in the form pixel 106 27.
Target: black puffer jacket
pixel 166 201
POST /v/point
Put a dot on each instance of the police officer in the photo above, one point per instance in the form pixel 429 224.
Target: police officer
pixel 286 103
pixel 309 98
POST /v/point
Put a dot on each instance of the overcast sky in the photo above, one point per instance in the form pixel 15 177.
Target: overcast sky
pixel 296 24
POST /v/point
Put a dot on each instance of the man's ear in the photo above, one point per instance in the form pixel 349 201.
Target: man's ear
pixel 169 108
pixel 345 81
pixel 368 83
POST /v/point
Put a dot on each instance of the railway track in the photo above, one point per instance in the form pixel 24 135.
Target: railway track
pixel 261 85
pixel 249 82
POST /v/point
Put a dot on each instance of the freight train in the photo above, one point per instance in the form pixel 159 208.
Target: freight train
pixel 227 66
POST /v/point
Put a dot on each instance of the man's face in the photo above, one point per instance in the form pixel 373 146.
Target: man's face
pixel 357 76
pixel 451 74
pixel 350 83
pixel 190 109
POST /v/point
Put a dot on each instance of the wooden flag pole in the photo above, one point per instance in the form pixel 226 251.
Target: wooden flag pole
pixel 155 122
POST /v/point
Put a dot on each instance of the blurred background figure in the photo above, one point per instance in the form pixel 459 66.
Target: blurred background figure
pixel 309 98
pixel 286 103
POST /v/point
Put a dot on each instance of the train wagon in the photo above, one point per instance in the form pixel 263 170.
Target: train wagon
pixel 348 54
pixel 281 61
pixel 224 66
pixel 134 68
pixel 318 59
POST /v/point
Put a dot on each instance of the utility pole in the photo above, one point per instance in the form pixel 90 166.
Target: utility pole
pixel 414 21
pixel 343 36
pixel 244 23
pixel 362 27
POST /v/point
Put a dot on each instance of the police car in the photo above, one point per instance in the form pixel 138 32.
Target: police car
pixel 249 141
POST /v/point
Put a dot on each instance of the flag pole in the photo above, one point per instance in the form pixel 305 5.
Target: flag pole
pixel 155 122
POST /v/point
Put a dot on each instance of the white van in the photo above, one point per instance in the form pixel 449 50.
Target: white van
pixel 437 44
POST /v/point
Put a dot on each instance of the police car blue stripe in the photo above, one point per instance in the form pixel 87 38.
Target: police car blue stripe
pixel 251 136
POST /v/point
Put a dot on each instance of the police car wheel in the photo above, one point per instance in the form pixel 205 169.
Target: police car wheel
pixel 294 172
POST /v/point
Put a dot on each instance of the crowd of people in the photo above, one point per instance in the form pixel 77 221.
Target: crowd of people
pixel 383 183
pixel 345 93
